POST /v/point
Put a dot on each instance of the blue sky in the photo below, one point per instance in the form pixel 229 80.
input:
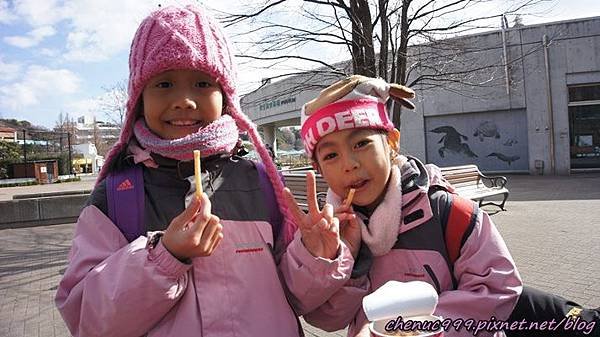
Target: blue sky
pixel 59 56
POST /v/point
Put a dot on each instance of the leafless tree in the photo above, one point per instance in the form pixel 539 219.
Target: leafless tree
pixel 404 41
pixel 65 124
pixel 101 144
pixel 114 102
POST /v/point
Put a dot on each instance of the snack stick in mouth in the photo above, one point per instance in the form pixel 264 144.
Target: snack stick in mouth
pixel 349 198
pixel 197 174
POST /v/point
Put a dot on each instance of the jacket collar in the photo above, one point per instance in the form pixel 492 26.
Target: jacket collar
pixel 411 205
pixel 416 208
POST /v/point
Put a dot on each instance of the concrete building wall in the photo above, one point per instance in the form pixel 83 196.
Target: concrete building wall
pixel 279 103
pixel 572 53
pixel 467 112
pixel 515 123
pixel 573 58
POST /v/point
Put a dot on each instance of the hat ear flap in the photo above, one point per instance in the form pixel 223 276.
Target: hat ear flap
pixel 401 94
pixel 332 94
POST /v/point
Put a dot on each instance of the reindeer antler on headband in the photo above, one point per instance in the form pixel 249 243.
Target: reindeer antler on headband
pixel 354 102
pixel 365 86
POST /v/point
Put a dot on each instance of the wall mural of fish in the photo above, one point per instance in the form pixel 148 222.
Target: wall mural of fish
pixel 494 141
pixel 486 129
pixel 452 141
pixel 504 158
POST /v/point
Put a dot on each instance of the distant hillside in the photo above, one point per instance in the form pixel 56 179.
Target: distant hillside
pixel 20 125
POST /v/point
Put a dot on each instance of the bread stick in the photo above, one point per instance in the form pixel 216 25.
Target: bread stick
pixel 197 174
pixel 349 198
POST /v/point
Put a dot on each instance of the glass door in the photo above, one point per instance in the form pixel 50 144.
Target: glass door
pixel 584 126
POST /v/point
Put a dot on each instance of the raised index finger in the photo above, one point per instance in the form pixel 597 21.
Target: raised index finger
pixel 297 213
pixel 188 213
pixel 311 193
pixel 204 214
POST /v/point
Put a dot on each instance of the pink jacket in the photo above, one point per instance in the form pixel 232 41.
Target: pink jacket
pixel 488 281
pixel 115 288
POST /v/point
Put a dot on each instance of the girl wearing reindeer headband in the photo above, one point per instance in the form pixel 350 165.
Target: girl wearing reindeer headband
pixel 394 223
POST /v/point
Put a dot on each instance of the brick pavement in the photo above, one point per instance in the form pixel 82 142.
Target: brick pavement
pixel 31 261
pixel 551 228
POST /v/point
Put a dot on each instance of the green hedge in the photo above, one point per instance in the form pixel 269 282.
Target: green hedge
pixel 28 183
pixel 68 180
pixel 31 183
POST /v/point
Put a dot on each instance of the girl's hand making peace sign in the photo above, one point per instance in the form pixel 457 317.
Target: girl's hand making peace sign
pixel 319 228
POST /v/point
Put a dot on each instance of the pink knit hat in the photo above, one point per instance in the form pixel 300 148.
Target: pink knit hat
pixel 175 38
pixel 178 38
pixel 354 102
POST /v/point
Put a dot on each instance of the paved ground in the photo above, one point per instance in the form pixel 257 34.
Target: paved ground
pixel 86 183
pixel 551 227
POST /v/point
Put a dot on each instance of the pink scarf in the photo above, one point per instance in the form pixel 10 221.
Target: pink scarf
pixel 219 136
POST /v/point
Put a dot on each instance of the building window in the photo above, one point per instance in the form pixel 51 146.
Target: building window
pixel 584 93
pixel 584 126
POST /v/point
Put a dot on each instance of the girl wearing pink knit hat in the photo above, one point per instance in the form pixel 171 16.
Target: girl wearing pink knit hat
pixel 151 258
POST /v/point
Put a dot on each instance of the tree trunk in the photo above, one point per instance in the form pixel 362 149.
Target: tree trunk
pixel 383 48
pixel 401 58
pixel 362 39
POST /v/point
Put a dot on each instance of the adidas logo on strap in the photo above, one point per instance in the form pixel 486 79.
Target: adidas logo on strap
pixel 125 185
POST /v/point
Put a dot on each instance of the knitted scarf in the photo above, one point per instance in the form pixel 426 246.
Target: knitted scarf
pixel 219 136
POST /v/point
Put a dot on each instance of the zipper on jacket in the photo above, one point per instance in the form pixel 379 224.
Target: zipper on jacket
pixel 435 280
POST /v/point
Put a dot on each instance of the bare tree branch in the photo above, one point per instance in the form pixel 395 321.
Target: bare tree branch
pixel 392 28
pixel 437 10
pixel 339 4
pixel 292 57
pixel 290 29
pixel 114 102
pixel 237 18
